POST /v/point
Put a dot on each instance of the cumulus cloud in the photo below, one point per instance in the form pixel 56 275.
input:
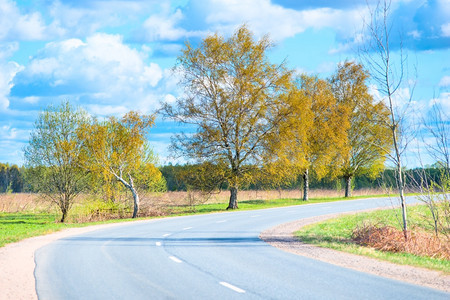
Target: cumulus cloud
pixel 279 21
pixel 81 18
pixel 101 70
pixel 17 26
pixel 200 18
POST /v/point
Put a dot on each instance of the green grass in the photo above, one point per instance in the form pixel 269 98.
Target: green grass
pixel 336 234
pixel 18 226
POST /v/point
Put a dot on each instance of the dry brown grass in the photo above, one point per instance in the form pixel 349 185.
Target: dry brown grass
pixel 388 238
pixel 152 204
pixel 21 202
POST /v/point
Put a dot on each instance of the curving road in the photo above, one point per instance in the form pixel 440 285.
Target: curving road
pixel 215 256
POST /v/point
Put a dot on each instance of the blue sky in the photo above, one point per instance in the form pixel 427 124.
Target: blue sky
pixel 110 57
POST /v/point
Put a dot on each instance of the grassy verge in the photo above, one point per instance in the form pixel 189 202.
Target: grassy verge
pixel 18 226
pixel 336 234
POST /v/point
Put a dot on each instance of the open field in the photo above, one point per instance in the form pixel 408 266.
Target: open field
pixel 23 202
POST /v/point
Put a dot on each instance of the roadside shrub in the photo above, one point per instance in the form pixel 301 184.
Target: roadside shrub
pixel 388 238
pixel 98 210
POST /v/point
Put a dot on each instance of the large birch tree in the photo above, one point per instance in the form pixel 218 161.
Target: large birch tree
pixel 235 98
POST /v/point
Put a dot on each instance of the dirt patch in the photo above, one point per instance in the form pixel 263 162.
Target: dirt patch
pixel 283 238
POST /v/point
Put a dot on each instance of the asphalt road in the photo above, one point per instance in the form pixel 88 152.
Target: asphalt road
pixel 215 256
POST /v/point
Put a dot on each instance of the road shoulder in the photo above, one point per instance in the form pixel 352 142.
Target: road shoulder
pixel 283 238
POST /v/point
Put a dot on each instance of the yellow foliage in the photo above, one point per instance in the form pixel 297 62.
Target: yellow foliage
pixel 236 100
pixel 368 135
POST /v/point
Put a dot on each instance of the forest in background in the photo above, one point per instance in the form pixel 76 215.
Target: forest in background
pixel 13 180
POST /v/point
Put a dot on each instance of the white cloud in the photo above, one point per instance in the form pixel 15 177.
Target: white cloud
pixel 445 81
pixel 401 100
pixel 169 98
pixel 443 100
pixel 101 69
pixel 31 99
pixel 17 26
pixel 162 27
pixel 82 18
pixel 415 34
pixel 8 49
pixel 263 17
pixel 7 73
pixel 105 110
pixel 375 93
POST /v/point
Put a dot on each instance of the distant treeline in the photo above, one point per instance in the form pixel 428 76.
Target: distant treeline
pixel 386 179
pixel 13 180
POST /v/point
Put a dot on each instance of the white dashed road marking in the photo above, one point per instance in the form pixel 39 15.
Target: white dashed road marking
pixel 158 244
pixel 175 259
pixel 232 287
pixel 186 228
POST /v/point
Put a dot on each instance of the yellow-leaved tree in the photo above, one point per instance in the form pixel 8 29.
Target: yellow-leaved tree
pixel 367 137
pixel 325 137
pixel 235 98
pixel 118 148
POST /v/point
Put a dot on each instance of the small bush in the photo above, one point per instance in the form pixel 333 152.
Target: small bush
pixel 98 210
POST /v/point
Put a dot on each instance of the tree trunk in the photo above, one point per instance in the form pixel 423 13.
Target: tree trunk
pixel 233 198
pixel 136 202
pixel 130 186
pixel 63 205
pixel 64 215
pixel 402 196
pixel 306 185
pixel 348 186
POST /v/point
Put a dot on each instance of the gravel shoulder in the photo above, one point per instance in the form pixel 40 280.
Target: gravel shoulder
pixel 282 237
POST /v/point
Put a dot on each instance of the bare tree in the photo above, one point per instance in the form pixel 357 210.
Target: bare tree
pixel 390 75
pixel 437 125
pixel 434 188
